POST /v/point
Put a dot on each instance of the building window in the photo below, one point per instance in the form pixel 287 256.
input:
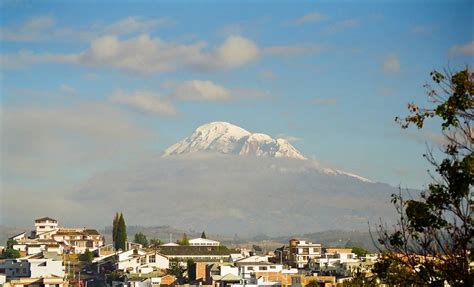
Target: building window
pixel 250 268
pixel 152 259
pixel 272 267
pixel 262 268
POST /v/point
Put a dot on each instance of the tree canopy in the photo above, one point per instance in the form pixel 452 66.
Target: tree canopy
pixel 11 253
pixel 120 233
pixel 140 238
pixel 184 240
pixel 431 243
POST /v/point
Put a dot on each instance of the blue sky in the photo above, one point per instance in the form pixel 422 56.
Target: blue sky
pixel 92 85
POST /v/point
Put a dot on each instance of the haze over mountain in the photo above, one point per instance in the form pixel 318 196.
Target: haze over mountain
pixel 210 181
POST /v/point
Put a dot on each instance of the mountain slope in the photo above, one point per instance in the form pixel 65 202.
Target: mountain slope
pixel 228 194
pixel 225 138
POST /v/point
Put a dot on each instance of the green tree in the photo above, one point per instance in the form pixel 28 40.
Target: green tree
pixel 140 238
pixel 155 242
pixel 203 235
pixel 121 234
pixel 184 240
pixel 431 242
pixel 11 242
pixel 177 269
pixel 87 256
pixel 114 227
pixel 11 253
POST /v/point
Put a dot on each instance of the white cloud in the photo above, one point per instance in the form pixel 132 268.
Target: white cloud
pixel 294 49
pixel 197 90
pixel 25 58
pixel 234 52
pixel 30 30
pixel 462 50
pixel 342 25
pixel 391 64
pixel 311 17
pixel 324 101
pixel 132 25
pixel 45 28
pixel 145 101
pixel 144 54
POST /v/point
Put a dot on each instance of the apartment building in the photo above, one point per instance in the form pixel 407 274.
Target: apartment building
pixel 302 251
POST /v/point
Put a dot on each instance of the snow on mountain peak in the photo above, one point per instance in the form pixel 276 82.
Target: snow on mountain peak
pixel 226 138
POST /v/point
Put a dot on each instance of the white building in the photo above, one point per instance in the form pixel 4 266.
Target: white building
pixel 32 268
pixel 45 225
pixel 75 240
pixel 253 264
pixel 34 246
pixel 139 261
pixel 203 242
pixel 301 252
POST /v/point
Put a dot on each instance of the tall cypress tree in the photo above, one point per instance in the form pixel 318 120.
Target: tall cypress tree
pixel 114 228
pixel 121 236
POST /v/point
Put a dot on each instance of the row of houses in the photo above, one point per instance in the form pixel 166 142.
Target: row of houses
pixel 204 261
pixel 48 236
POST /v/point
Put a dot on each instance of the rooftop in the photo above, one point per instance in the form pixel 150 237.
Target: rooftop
pixel 45 219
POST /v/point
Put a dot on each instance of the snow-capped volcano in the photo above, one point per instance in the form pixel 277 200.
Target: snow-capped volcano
pixel 227 138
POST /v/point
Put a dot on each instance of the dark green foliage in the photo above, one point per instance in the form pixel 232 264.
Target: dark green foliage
pixel 121 233
pixel 177 269
pixel 114 227
pixel 11 253
pixel 155 243
pixel 184 240
pixel 10 243
pixel 140 238
pixel 203 235
pixel 432 240
pixel 87 256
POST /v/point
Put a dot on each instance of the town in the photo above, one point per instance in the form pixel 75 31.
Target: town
pixel 54 256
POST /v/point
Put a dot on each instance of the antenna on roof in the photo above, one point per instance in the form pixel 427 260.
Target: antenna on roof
pixel 171 237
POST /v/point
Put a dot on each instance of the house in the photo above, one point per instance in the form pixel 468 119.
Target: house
pixel 34 246
pixel 301 252
pixel 18 237
pixel 334 258
pixel 203 242
pixel 196 253
pixel 140 261
pixel 248 267
pixel 48 281
pixel 74 240
pixel 32 268
pixel 44 226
